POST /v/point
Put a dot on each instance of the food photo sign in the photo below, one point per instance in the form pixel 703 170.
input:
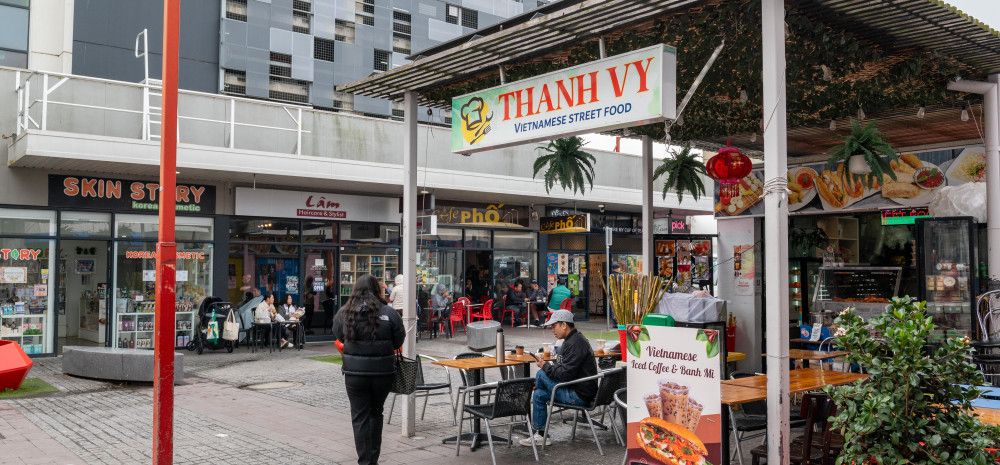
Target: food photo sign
pixel 674 396
pixel 817 188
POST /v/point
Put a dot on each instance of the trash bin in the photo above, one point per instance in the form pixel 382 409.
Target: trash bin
pixel 483 335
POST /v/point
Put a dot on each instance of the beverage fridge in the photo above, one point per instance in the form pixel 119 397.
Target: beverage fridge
pixel 947 267
pixel 802 275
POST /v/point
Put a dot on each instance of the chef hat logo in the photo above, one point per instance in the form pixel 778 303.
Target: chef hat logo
pixel 476 117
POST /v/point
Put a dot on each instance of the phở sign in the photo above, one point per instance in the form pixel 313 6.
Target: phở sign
pixel 634 88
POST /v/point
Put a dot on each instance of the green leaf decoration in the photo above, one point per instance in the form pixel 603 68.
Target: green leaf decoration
pixel 712 349
pixel 633 347
pixel 868 142
pixel 644 334
pixel 565 162
pixel 684 174
pixel 701 336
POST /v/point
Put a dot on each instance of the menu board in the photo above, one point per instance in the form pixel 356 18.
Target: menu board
pixel 674 396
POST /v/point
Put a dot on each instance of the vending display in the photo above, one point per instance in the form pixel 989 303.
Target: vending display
pixel 868 289
pixel 947 263
pixel 688 259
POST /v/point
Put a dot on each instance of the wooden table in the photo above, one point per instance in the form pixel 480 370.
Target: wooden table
pixel 988 407
pixel 475 368
pixel 528 360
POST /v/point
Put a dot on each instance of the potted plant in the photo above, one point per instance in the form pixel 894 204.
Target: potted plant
pixel 913 409
pixel 804 242
pixel 684 171
pixel 866 153
pixel 565 161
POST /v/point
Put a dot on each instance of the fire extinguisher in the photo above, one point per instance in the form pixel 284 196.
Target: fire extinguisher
pixel 731 334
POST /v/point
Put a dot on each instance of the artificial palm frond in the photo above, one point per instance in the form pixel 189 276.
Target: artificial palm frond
pixel 684 171
pixel 565 162
pixel 867 142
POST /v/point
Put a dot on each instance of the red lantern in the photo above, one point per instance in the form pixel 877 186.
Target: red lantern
pixel 728 167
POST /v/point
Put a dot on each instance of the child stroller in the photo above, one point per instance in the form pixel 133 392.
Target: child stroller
pixel 213 309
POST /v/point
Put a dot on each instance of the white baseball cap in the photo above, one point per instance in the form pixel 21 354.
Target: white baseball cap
pixel 559 315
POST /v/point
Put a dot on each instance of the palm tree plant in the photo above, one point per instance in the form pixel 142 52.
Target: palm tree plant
pixel 684 171
pixel 565 162
pixel 866 153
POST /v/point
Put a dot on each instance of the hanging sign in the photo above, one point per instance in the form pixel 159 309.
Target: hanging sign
pixel 123 195
pixel 578 223
pixel 674 395
pixel 631 89
pixel 315 205
pixel 893 216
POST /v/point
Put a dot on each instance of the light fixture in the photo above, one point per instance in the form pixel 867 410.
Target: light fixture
pixel 827 73
pixel 833 125
pixel 424 191
pixel 965 113
pixel 921 112
pixel 861 114
pixel 743 96
pixel 753 137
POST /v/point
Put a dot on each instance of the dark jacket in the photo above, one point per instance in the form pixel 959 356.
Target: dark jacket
pixel 576 360
pixel 515 299
pixel 372 357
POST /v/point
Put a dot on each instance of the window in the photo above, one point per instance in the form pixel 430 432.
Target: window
pixel 288 90
pixel 465 16
pixel 397 111
pixel 364 12
pixel 401 31
pixel 236 10
pixel 447 120
pixel 381 60
pixel 13 29
pixel 281 64
pixel 452 13
pixel 235 82
pixel 344 31
pixel 515 240
pixel 343 101
pixel 323 49
pixel 301 16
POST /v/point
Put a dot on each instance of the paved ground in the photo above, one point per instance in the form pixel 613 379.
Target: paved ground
pixel 218 420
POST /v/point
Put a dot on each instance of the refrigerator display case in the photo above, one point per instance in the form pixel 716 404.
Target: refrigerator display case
pixel 802 278
pixel 866 288
pixel 687 258
pixel 947 267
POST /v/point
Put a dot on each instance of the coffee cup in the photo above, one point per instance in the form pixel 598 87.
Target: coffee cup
pixel 519 350
pixel 547 349
pixel 599 346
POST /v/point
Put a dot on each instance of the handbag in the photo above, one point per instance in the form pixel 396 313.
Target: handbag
pixel 404 375
pixel 231 329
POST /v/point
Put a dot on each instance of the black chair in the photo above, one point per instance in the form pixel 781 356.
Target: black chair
pixel 607 383
pixel 426 390
pixel 816 410
pixel 621 410
pixel 511 399
pixel 750 421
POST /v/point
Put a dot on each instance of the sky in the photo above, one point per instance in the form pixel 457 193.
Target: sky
pixel 987 11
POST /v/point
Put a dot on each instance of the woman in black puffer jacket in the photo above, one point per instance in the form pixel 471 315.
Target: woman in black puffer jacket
pixel 371 332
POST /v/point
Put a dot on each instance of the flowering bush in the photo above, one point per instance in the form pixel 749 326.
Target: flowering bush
pixel 912 410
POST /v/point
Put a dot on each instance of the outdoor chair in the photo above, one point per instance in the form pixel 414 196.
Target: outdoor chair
pixel 484 313
pixel 621 409
pixel 511 399
pixel 608 382
pixel 566 304
pixel 426 390
pixel 464 377
pixel 815 408
pixel 506 311
pixel 457 316
pixel 750 421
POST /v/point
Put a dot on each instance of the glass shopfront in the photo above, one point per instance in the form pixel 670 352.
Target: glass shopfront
pixel 26 260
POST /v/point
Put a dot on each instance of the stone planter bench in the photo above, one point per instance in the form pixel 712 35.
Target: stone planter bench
pixel 110 364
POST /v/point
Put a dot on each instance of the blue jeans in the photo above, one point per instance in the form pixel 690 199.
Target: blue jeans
pixel 543 393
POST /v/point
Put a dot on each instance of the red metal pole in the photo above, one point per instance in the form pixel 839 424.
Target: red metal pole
pixel 166 249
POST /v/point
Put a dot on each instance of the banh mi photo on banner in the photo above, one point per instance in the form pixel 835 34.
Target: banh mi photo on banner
pixel 674 399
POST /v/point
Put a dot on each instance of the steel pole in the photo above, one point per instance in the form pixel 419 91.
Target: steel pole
pixel 647 204
pixel 776 230
pixel 410 244
pixel 991 120
pixel 166 249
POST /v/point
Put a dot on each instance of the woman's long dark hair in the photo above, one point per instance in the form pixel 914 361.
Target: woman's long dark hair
pixel 361 319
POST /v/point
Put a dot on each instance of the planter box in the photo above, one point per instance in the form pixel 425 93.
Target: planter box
pixel 14 365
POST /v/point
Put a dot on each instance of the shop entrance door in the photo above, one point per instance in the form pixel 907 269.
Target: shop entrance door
pixel 83 292
pixel 479 275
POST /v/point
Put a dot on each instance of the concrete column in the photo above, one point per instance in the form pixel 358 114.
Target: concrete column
pixel 991 120
pixel 647 204
pixel 410 244
pixel 50 36
pixel 776 230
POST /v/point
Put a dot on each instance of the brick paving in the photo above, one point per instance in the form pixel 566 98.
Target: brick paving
pixel 218 420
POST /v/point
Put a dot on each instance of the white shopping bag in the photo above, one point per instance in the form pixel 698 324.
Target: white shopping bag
pixel 231 329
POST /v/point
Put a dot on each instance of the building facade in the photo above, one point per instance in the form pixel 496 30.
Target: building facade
pixel 274 195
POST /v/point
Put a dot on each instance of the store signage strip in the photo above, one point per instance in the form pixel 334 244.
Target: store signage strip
pixel 579 223
pixel 125 195
pixel 897 216
pixel 313 205
pixel 634 88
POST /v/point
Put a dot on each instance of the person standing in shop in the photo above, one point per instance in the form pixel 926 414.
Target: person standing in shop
pixel 396 297
pixel 371 332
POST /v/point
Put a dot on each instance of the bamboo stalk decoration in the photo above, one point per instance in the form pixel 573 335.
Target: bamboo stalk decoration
pixel 633 296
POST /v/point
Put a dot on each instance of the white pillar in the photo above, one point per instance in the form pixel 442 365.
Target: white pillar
pixel 647 204
pixel 991 119
pixel 410 244
pixel 776 231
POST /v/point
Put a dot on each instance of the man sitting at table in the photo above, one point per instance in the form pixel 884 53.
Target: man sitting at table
pixel 576 361
pixel 516 299
pixel 536 295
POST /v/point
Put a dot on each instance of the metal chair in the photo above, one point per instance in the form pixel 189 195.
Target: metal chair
pixel 621 409
pixel 816 410
pixel 750 421
pixel 511 399
pixel 426 390
pixel 607 383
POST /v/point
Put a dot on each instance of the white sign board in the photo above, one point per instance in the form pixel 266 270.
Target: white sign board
pixel 295 204
pixel 631 89
pixel 674 395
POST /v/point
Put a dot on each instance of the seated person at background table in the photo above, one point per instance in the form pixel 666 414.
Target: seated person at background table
pixel 288 309
pixel 558 294
pixel 517 301
pixel 442 302
pixel 576 361
pixel 266 313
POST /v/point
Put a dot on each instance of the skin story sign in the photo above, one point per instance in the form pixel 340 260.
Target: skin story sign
pixel 634 88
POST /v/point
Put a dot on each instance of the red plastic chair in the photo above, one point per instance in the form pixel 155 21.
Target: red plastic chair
pixel 465 301
pixel 566 304
pixel 505 311
pixel 457 316
pixel 485 313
